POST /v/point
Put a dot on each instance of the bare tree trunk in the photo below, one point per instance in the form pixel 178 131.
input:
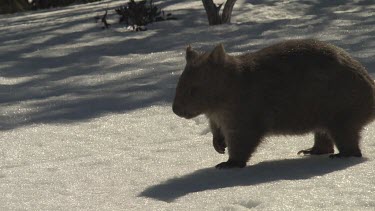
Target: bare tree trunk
pixel 213 11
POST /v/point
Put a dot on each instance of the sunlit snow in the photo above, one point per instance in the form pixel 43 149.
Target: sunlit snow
pixel 86 120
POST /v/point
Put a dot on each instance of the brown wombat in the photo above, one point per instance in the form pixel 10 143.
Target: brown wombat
pixel 292 87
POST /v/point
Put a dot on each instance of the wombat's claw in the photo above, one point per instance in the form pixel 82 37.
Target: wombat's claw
pixel 305 152
pixel 342 155
pixel 220 151
pixel 219 147
pixel 313 151
pixel 230 165
pixel 336 156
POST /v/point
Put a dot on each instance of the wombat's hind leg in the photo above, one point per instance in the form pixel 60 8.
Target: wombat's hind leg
pixel 323 144
pixel 347 142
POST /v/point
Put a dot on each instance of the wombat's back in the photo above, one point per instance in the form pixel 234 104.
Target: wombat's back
pixel 299 85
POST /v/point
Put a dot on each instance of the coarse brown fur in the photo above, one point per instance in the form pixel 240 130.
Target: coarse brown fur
pixel 292 87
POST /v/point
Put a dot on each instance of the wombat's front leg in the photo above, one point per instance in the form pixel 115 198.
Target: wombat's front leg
pixel 218 138
pixel 240 147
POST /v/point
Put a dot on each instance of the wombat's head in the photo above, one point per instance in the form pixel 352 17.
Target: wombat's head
pixel 201 84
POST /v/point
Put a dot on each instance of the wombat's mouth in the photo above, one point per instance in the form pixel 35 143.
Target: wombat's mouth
pixel 181 111
pixel 189 116
pixel 186 115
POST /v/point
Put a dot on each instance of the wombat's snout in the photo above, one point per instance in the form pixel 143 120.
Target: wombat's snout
pixel 176 109
pixel 180 111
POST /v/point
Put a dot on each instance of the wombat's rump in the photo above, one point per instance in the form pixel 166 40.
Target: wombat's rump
pixel 293 87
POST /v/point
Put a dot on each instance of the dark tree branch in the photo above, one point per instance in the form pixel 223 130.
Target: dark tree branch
pixel 213 11
pixel 227 12
pixel 104 20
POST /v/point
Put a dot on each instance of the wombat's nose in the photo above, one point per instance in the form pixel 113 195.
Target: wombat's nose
pixel 176 109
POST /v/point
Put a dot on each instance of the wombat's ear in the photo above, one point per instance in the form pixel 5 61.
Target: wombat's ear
pixel 191 54
pixel 218 55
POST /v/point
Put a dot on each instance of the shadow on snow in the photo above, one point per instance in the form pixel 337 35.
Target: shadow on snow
pixel 264 172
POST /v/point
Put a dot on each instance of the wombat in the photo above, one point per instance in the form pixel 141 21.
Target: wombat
pixel 293 87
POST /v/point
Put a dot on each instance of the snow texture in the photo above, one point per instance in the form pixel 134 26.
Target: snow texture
pixel 86 120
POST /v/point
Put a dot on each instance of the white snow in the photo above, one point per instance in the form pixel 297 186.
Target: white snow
pixel 86 120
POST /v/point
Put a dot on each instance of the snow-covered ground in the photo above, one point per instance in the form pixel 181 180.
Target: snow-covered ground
pixel 86 120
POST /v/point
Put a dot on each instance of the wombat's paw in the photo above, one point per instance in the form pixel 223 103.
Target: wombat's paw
pixel 230 165
pixel 219 145
pixel 314 151
pixel 345 155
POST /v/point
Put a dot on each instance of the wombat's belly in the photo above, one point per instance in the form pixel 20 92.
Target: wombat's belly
pixel 295 121
pixel 308 106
